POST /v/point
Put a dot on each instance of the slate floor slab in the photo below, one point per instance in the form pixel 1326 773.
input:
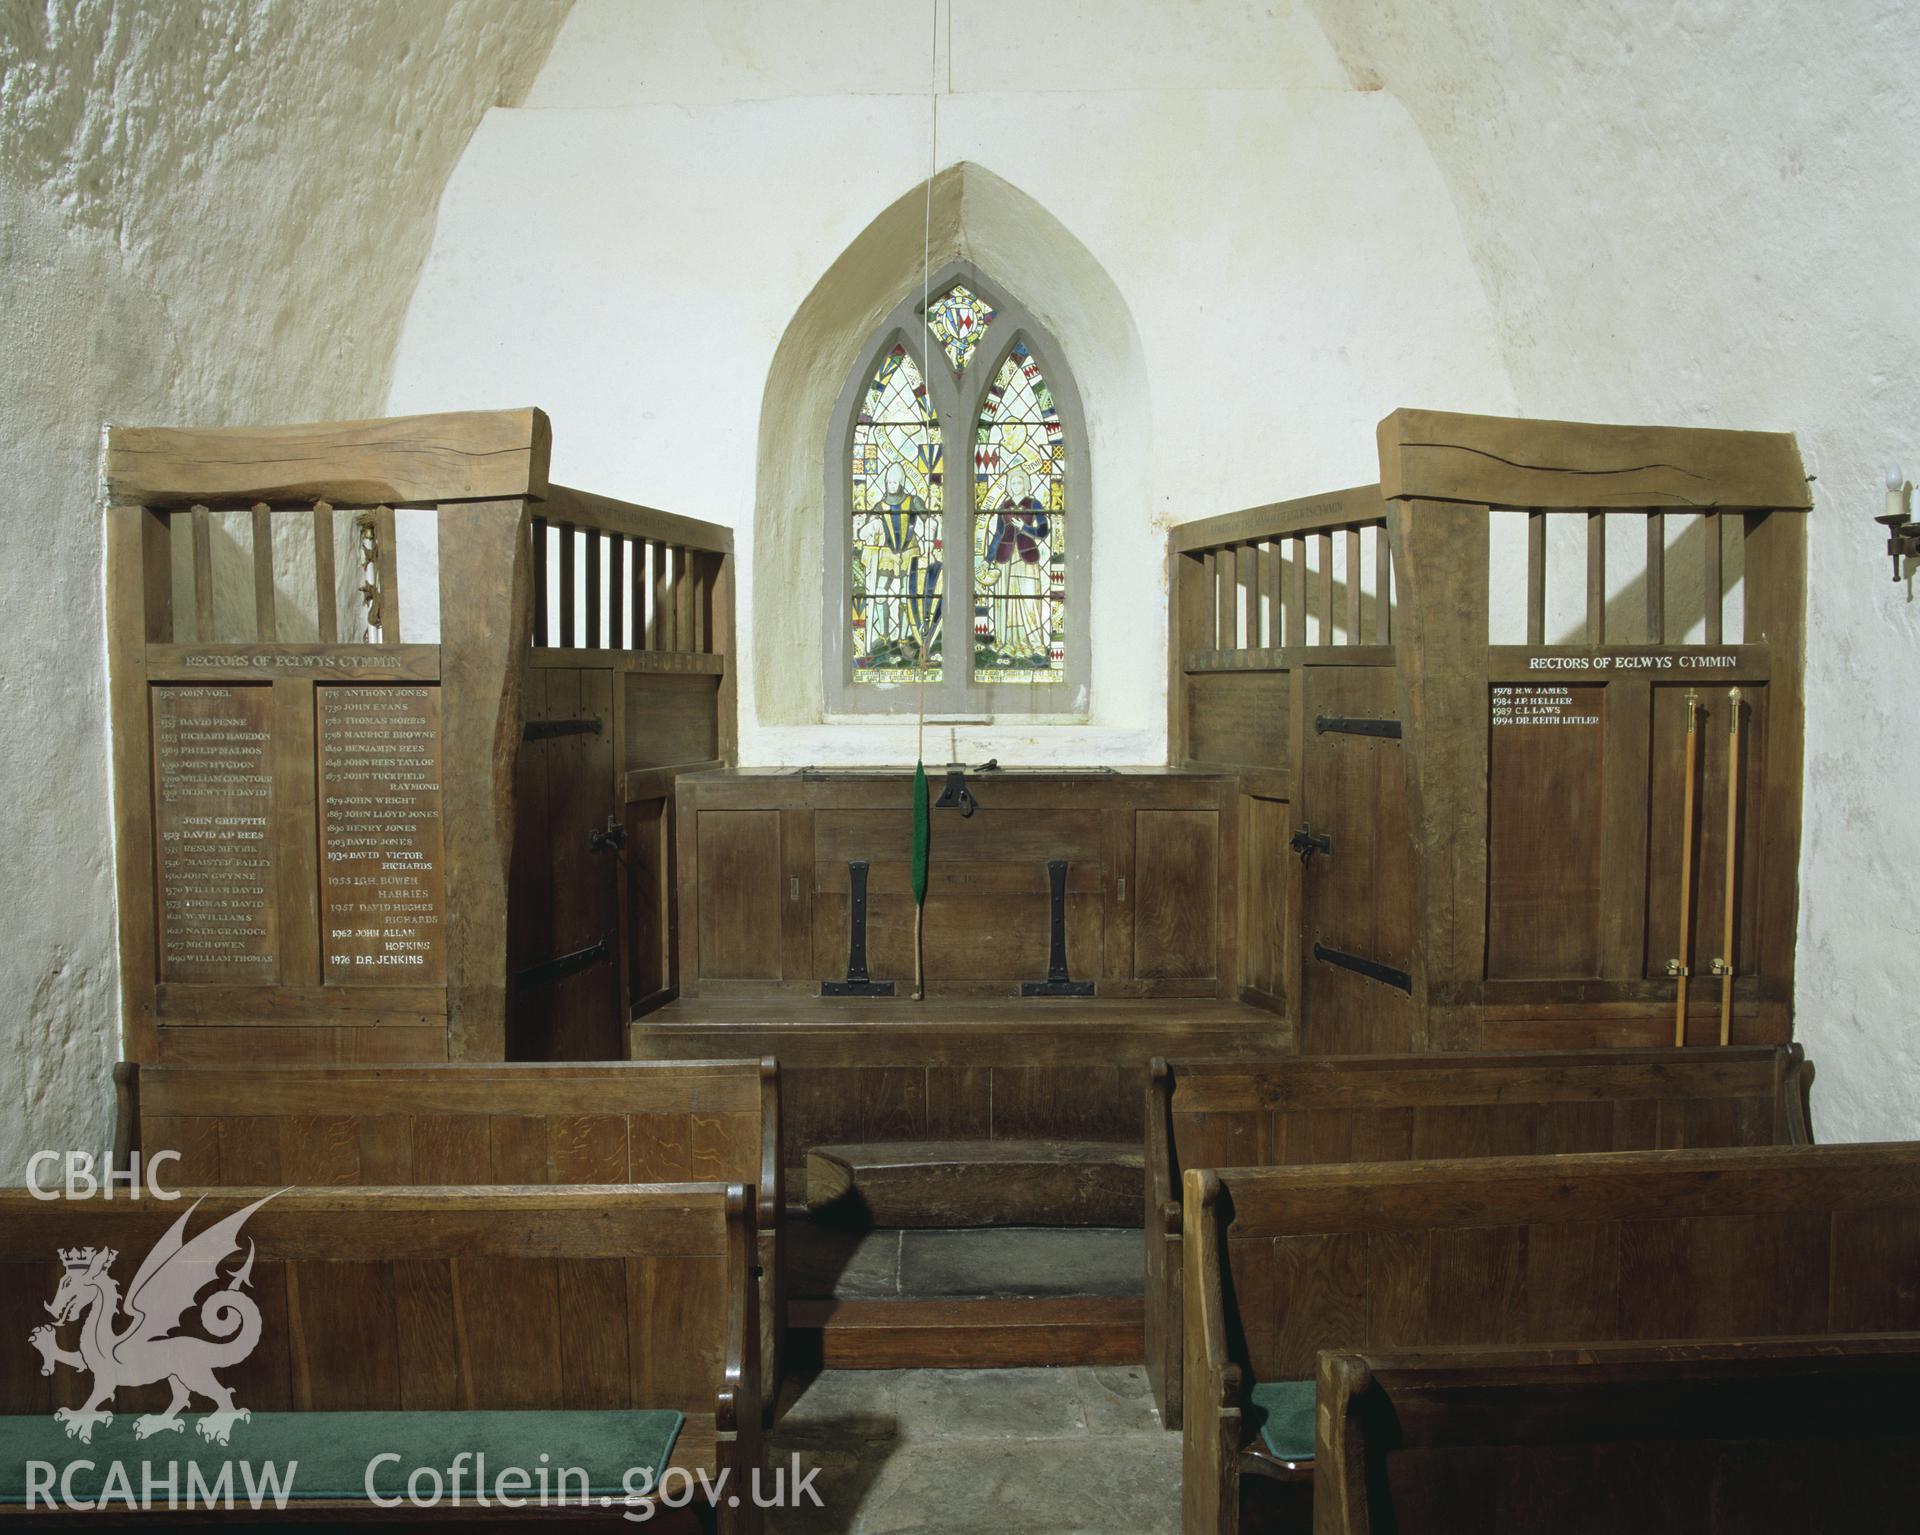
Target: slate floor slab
pixel 961 1452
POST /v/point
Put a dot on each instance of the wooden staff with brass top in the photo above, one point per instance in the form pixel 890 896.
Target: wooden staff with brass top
pixel 1725 963
pixel 1678 967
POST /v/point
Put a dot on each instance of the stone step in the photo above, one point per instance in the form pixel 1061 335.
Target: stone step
pixel 982 1183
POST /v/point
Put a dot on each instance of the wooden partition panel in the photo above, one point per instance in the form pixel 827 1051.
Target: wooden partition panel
pixel 1548 781
pixel 1281 618
pixel 311 833
pixel 1489 845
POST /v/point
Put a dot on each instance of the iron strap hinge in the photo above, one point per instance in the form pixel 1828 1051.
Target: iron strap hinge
pixel 560 968
pixel 1349 725
pixel 1372 969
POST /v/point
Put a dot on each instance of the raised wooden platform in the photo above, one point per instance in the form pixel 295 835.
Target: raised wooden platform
pixel 982 1183
pixel 864 1070
pixel 966 1334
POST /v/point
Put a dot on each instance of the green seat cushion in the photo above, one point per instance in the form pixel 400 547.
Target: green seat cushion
pixel 1282 1411
pixel 330 1454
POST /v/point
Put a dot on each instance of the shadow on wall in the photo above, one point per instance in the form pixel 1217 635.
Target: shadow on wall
pixel 974 216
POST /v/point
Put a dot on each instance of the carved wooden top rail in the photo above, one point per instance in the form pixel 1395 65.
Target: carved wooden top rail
pixel 1505 463
pixel 400 461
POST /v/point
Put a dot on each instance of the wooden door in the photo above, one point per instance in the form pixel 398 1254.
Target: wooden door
pixel 564 936
pixel 1357 911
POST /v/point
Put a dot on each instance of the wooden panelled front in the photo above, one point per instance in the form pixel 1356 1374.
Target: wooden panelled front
pixel 440 1299
pixel 765 888
pixel 1690 1244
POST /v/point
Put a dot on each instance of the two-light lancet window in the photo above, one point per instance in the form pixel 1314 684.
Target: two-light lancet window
pixel 958 501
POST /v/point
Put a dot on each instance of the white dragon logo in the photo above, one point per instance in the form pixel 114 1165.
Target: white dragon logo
pixel 148 1348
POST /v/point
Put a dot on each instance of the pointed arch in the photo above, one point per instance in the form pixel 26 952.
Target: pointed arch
pixel 966 214
pixel 963 585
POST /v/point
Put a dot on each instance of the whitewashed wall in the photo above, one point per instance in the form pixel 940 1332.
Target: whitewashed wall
pixel 1710 214
pixel 678 244
pixel 209 213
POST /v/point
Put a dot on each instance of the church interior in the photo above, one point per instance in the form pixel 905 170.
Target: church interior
pixel 1016 765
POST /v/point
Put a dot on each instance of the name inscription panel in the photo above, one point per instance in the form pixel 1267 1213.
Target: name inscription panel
pixel 1546 705
pixel 213 815
pixel 381 839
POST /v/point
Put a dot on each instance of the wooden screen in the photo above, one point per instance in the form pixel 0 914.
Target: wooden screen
pixel 308 801
pixel 630 682
pixel 1281 671
pixel 1454 843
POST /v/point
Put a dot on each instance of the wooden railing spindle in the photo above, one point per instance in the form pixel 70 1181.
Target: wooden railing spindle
pixel 592 637
pixel 662 598
pixel 567 639
pixel 326 578
pixel 1225 601
pixel 1536 578
pixel 1715 590
pixel 1353 586
pixel 1596 579
pixel 265 622
pixel 1383 587
pixel 387 564
pixel 540 635
pixel 616 591
pixel 203 575
pixel 1297 591
pixel 641 639
pixel 1324 596
pixel 1270 592
pixel 1656 578
pixel 1247 560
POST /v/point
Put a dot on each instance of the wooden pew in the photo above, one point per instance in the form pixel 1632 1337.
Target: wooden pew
pixel 429 1302
pixel 1389 1108
pixel 1759 1438
pixel 1283 1262
pixel 476 1124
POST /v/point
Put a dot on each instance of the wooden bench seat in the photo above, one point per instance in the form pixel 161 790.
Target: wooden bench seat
pixel 476 1124
pixel 1755 1437
pixel 425 1304
pixel 1284 1262
pixel 1367 1108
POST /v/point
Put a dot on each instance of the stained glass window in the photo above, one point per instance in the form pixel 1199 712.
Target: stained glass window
pixel 897 588
pixel 958 320
pixel 1019 534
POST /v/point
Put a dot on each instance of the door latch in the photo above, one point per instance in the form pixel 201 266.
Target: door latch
pixel 1306 844
pixel 612 839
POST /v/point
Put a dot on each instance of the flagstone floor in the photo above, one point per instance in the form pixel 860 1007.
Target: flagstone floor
pixel 968 1452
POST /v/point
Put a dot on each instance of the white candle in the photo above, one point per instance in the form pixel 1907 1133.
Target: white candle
pixel 1896 493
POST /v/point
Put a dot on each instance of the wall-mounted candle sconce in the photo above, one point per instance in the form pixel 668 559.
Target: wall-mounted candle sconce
pixel 1903 533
